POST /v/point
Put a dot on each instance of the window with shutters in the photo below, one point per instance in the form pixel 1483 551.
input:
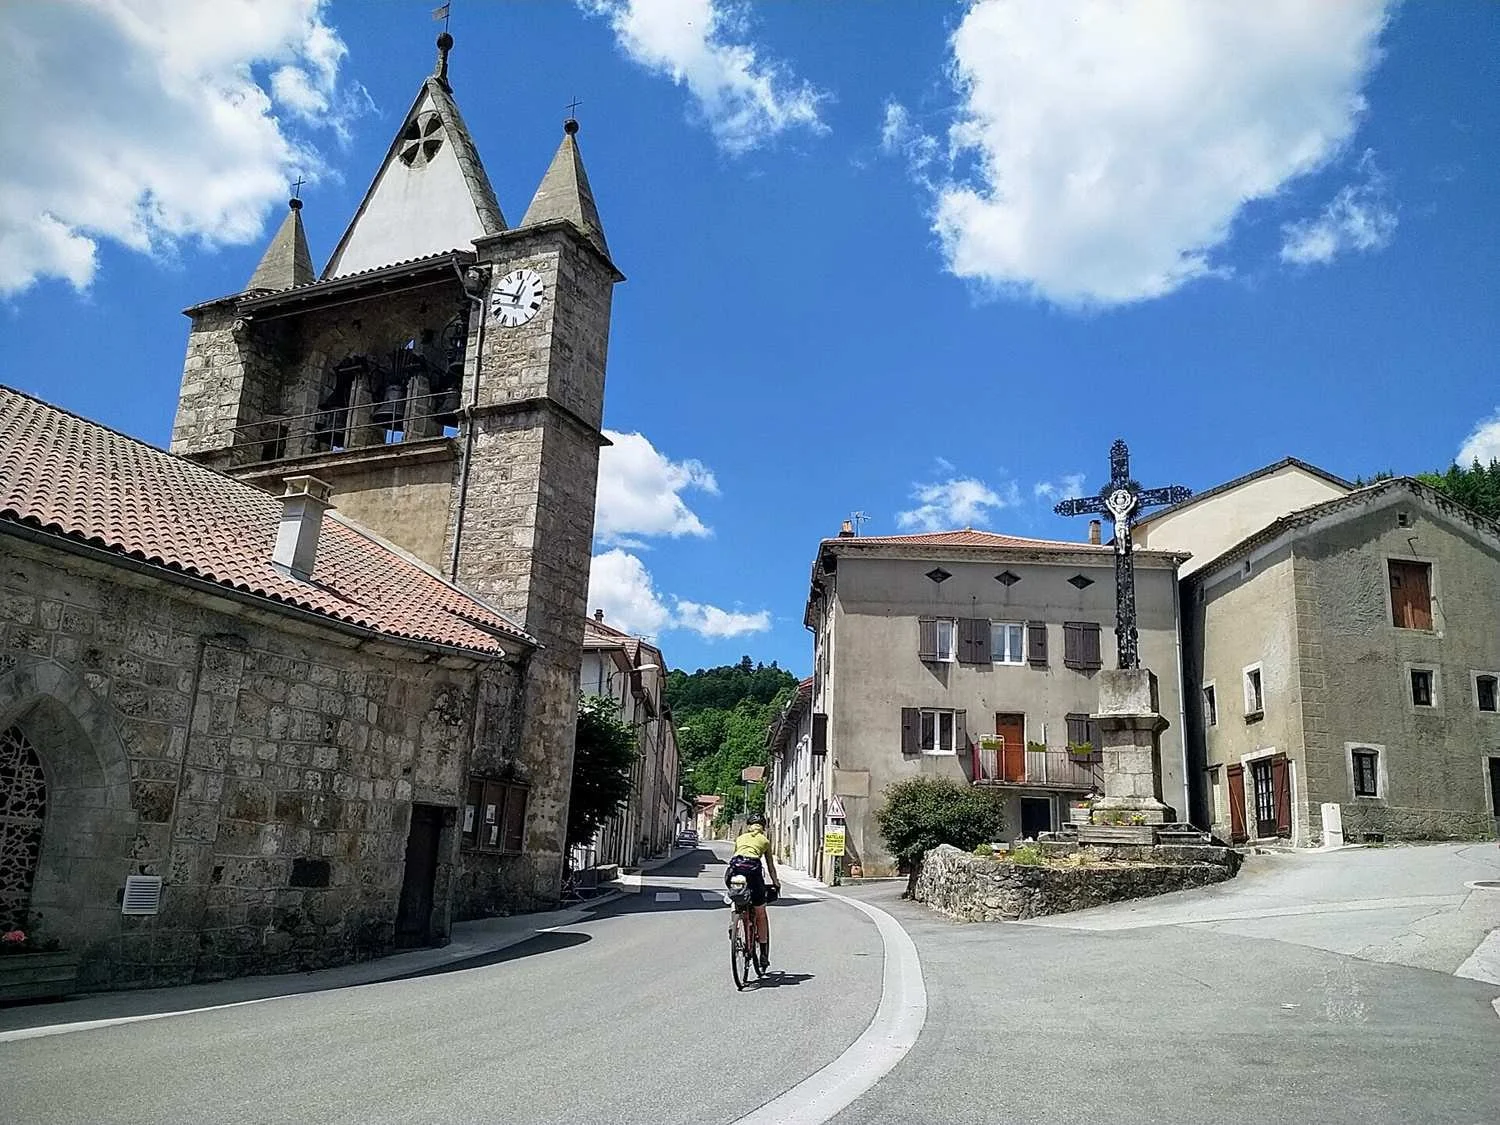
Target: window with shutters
pixel 1083 729
pixel 1081 644
pixel 1255 696
pixel 1411 594
pixel 973 640
pixel 495 816
pixel 1210 706
pixel 1486 689
pixel 937 638
pixel 1007 642
pixel 1366 765
pixel 1036 643
pixel 939 731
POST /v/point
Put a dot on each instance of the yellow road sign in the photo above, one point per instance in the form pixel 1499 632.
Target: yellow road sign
pixel 833 843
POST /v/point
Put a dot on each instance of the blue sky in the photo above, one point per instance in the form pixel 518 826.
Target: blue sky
pixel 919 260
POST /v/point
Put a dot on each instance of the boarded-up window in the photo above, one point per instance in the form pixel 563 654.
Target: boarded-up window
pixel 1036 643
pixel 495 816
pixel 1411 594
pixel 1081 644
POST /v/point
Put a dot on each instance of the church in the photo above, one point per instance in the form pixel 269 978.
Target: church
pixel 302 691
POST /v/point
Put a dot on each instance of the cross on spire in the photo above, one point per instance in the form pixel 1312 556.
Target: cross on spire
pixel 297 187
pixel 573 107
pixel 1122 499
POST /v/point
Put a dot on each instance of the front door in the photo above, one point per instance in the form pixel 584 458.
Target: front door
pixel 1011 730
pixel 1495 792
pixel 414 918
pixel 1265 799
pixel 1036 816
pixel 1237 833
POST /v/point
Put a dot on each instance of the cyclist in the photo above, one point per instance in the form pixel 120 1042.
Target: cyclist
pixel 750 847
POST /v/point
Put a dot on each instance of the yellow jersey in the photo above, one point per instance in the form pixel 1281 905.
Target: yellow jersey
pixel 751 845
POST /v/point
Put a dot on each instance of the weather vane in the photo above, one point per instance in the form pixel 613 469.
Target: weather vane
pixel 443 13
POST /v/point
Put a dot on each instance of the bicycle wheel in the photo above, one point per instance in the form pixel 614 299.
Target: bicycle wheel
pixel 752 946
pixel 737 962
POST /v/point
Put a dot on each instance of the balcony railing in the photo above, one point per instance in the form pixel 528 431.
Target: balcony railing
pixel 1055 769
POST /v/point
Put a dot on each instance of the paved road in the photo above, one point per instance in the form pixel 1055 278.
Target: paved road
pixel 630 1016
pixel 1316 988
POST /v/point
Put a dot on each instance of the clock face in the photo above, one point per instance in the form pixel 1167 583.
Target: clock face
pixel 517 298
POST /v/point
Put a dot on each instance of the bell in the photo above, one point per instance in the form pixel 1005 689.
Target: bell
pixel 392 405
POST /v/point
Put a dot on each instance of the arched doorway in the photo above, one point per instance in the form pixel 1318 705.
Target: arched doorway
pixel 23 811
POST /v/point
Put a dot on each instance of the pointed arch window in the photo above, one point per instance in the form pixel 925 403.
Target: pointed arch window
pixel 23 810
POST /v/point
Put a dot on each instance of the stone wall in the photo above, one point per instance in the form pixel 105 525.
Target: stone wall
pixel 971 888
pixel 265 769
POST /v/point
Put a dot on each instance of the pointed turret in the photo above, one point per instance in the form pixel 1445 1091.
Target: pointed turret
pixel 430 194
pixel 286 261
pixel 565 194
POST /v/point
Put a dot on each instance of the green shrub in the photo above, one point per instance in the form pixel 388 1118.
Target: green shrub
pixel 1028 855
pixel 921 813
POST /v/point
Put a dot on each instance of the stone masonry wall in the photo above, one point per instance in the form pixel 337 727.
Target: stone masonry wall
pixel 971 888
pixel 266 770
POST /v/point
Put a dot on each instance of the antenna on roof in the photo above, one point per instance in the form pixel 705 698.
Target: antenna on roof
pixel 858 518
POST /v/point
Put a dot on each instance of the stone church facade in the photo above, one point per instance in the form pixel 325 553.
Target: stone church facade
pixel 326 734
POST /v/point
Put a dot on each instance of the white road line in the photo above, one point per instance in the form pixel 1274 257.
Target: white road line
pixel 91 1025
pixel 667 896
pixel 880 1047
pixel 1484 963
pixel 711 896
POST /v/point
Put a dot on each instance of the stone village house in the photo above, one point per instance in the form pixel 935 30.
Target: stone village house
pixel 1343 647
pixel 279 736
pixel 632 672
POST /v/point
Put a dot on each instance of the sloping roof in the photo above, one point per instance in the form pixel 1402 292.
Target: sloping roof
pixel 965 538
pixel 1275 467
pixel 597 635
pixel 564 193
pixel 287 261
pixel 1305 517
pixel 67 476
pixel 781 727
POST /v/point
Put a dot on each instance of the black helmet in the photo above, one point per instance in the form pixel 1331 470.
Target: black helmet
pixel 756 818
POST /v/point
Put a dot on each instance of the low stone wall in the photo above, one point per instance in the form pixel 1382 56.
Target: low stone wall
pixel 971 888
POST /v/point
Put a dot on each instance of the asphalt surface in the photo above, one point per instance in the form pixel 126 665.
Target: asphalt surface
pixel 629 1016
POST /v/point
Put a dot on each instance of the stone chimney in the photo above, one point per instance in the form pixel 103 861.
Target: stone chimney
pixel 847 530
pixel 599 616
pixel 1094 529
pixel 302 506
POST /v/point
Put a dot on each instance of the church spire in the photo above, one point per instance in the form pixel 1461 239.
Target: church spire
pixel 286 261
pixel 565 194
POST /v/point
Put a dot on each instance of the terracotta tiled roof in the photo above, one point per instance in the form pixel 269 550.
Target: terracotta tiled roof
pixel 964 538
pixel 69 476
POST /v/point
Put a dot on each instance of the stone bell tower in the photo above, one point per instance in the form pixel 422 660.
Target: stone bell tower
pixel 445 374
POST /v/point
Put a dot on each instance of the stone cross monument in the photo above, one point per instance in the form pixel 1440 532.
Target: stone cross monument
pixel 1129 719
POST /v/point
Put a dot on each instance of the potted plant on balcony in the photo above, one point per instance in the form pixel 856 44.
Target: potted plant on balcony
pixel 1081 751
pixel 33 968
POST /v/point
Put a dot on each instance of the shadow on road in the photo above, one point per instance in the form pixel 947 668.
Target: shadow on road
pixel 542 943
pixel 689 899
pixel 775 979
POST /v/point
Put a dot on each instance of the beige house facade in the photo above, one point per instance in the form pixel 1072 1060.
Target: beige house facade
pixel 974 656
pixel 1348 654
pixel 797 800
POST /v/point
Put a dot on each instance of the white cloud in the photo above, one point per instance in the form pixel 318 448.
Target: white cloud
pixel 1064 488
pixel 1108 147
pixel 620 585
pixel 640 491
pixel 745 99
pixel 1359 217
pixel 900 136
pixel 142 122
pixel 958 502
pixel 1483 443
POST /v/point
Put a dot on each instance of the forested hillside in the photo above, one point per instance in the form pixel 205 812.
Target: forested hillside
pixel 721 715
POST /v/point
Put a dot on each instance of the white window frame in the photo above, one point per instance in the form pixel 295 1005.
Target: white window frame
pixel 1437 688
pixel 952 623
pixel 1381 779
pixel 1210 713
pixel 938 714
pixel 1019 656
pixel 1477 674
pixel 1254 712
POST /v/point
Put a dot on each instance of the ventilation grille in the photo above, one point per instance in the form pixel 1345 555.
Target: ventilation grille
pixel 1080 582
pixel 1007 578
pixel 938 574
pixel 142 894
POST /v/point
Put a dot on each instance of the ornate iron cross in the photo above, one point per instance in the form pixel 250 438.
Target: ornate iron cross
pixel 1122 499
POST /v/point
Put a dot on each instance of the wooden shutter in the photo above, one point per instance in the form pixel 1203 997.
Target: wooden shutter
pixel 1281 789
pixel 911 730
pixel 1078 729
pixel 1036 643
pixel 1411 595
pixel 515 818
pixel 1090 654
pixel 927 638
pixel 1237 833
pixel 965 638
pixel 819 734
pixel 961 731
pixel 982 640
pixel 1071 644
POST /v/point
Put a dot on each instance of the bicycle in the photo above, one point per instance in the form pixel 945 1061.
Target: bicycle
pixel 744 935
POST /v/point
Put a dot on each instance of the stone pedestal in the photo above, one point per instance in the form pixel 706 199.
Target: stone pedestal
pixel 1130 727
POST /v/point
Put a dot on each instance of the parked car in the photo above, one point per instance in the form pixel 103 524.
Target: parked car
pixel 687 838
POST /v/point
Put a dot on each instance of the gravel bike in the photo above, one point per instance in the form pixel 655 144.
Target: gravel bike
pixel 744 934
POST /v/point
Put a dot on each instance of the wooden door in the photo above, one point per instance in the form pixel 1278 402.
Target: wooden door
pixel 1011 729
pixel 1264 783
pixel 414 916
pixel 1237 833
pixel 1281 791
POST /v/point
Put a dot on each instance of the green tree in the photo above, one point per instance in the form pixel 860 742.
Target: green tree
pixel 603 755
pixel 1476 488
pixel 922 812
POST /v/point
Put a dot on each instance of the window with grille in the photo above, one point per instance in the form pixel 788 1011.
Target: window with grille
pixel 1366 773
pixel 495 816
pixel 23 810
